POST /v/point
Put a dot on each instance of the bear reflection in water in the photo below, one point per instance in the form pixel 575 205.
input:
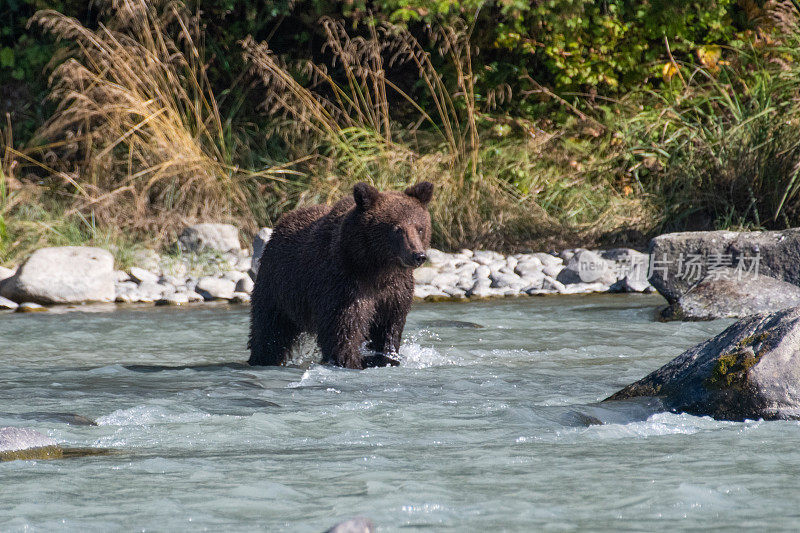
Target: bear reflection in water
pixel 343 273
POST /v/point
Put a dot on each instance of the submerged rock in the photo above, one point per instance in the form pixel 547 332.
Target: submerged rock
pixel 14 439
pixel 25 443
pixel 730 295
pixel 749 371
pixel 358 524
pixel 63 275
pixel 460 324
pixel 69 418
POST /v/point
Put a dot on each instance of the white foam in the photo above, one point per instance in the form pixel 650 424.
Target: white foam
pixel 412 355
pixel 145 415
pixel 317 374
pixel 659 424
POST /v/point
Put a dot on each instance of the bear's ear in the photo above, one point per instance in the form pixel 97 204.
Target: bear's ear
pixel 365 195
pixel 422 191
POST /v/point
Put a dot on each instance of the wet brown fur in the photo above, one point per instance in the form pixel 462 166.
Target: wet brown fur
pixel 343 273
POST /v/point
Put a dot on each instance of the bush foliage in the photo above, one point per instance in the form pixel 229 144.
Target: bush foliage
pixel 566 45
pixel 553 119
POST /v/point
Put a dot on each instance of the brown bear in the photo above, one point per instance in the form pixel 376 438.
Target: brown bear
pixel 343 273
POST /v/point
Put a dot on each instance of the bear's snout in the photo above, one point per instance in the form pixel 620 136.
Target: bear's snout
pixel 418 258
pixel 412 259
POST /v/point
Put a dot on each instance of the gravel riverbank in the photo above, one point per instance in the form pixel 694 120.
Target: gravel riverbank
pixel 208 264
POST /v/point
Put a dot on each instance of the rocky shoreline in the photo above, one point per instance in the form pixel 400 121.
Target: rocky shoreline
pixel 208 264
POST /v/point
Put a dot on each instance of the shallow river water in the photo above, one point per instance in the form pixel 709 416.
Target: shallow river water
pixel 481 428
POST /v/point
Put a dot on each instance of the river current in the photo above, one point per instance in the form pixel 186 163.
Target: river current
pixel 491 422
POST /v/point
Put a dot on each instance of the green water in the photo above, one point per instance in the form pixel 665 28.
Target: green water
pixel 481 428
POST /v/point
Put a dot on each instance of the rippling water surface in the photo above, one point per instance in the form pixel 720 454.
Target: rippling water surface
pixel 481 428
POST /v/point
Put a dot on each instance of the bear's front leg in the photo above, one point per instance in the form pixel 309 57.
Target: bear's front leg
pixel 343 332
pixel 387 330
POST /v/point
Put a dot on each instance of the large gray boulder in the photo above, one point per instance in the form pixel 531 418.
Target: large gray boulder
pixel 63 275
pixel 680 260
pixel 749 371
pixel 728 294
pixel 210 237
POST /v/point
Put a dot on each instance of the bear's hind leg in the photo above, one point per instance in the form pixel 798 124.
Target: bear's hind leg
pixel 271 339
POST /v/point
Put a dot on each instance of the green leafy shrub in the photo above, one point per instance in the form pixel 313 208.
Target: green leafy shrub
pixel 722 148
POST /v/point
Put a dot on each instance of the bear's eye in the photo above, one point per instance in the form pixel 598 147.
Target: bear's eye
pixel 420 230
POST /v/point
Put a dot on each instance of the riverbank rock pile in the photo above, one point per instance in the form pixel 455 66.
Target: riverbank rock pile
pixel 488 274
pixel 718 274
pixel 209 264
pixel 749 371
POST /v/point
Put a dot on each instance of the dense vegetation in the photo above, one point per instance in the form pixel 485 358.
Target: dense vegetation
pixel 542 123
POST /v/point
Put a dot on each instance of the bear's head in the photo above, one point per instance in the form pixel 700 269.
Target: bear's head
pixel 396 226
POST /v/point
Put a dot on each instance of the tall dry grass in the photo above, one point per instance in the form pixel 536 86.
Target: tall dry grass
pixel 139 145
pixel 138 132
pixel 6 168
pixel 30 218
pixel 347 112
